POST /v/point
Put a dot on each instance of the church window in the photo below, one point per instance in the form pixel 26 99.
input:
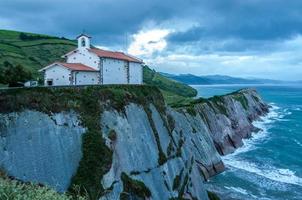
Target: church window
pixel 83 42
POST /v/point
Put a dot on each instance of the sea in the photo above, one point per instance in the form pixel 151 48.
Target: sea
pixel 269 165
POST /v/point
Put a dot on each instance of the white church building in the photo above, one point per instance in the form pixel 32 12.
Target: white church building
pixel 87 65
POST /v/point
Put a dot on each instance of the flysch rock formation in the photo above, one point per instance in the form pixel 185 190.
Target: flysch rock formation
pixel 164 152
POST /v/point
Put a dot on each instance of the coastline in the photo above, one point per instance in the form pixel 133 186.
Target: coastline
pixel 267 165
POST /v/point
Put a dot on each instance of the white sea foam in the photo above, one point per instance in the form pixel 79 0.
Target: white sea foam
pixel 270 172
pixel 264 124
pixel 275 174
pixel 237 189
pixel 244 194
pixel 298 143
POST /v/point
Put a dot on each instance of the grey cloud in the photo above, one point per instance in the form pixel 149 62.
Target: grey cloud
pixel 250 20
pixel 108 21
pixel 251 27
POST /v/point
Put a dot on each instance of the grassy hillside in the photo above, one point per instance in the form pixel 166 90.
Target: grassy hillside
pixel 154 78
pixel 35 51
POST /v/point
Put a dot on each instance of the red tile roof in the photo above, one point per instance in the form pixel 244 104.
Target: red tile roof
pixel 77 67
pixel 114 54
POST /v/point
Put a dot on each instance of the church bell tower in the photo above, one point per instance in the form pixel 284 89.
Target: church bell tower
pixel 83 41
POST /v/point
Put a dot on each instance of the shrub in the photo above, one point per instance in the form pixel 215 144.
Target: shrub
pixel 30 37
pixel 176 182
pixel 191 111
pixel 133 187
pixel 14 75
pixel 12 189
pixel 241 98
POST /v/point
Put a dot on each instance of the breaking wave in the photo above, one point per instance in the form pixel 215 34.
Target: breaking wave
pixel 275 174
pixel 272 173
pixel 264 124
pixel 238 189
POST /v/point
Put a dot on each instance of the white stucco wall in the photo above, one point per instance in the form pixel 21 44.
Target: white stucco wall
pixel 114 71
pixel 86 78
pixel 85 57
pixel 59 75
pixel 136 73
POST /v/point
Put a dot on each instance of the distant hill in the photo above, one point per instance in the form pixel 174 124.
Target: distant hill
pixel 217 79
pixel 35 51
pixel 152 77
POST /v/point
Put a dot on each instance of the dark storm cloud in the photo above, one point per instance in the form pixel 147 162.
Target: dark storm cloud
pixel 110 20
pixel 246 21
pixel 105 19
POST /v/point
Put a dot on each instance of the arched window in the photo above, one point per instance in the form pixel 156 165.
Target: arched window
pixel 83 42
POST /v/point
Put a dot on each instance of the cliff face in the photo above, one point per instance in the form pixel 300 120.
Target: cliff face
pixel 40 148
pixel 229 118
pixel 123 141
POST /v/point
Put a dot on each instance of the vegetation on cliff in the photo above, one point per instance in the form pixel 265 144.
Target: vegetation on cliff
pixel 215 102
pixel 88 102
pixel 134 188
pixel 17 190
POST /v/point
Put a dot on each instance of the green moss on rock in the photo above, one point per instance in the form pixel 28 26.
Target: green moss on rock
pixel 191 111
pixel 183 186
pixel 176 182
pixel 171 123
pixel 180 144
pixel 162 158
pixel 133 187
pixel 242 99
pixel 170 148
pixel 217 102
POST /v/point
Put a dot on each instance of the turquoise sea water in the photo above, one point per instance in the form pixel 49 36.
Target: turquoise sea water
pixel 269 165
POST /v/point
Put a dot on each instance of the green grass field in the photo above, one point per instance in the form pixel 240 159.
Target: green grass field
pixel 32 54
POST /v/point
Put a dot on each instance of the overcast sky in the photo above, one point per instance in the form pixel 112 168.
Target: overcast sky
pixel 246 38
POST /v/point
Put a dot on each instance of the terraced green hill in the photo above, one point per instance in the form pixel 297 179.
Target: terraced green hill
pixel 35 51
